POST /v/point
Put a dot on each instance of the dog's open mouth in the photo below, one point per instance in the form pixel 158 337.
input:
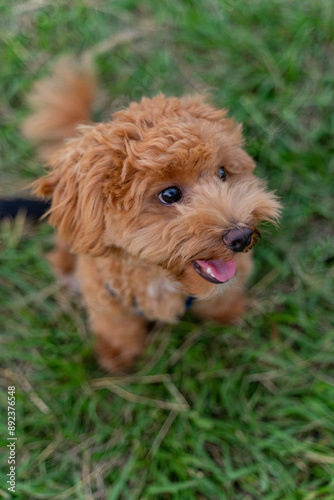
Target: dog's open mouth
pixel 215 271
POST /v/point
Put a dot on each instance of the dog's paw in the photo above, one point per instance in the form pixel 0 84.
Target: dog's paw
pixel 116 358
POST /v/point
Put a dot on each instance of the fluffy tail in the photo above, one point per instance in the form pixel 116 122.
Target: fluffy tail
pixel 59 103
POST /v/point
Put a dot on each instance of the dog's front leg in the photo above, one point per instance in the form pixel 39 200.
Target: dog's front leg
pixel 120 336
pixel 120 332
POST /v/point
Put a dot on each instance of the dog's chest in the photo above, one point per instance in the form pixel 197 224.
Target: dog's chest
pixel 145 289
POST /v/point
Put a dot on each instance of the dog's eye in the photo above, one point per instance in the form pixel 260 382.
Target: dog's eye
pixel 222 174
pixel 170 195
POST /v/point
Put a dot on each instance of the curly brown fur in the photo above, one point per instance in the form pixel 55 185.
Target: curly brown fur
pixel 134 255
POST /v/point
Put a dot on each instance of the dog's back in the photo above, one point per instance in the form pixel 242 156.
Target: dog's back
pixel 59 103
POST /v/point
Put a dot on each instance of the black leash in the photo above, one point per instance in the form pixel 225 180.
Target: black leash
pixel 33 209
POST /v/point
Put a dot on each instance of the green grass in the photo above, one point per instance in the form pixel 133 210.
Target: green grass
pixel 231 413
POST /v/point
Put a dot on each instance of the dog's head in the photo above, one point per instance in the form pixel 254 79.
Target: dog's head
pixel 167 181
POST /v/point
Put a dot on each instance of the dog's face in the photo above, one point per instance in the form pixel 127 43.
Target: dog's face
pixel 168 182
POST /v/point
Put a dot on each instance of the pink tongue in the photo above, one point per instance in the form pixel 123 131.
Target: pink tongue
pixel 222 271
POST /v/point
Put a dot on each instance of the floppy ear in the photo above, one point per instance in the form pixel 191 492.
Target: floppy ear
pixel 78 201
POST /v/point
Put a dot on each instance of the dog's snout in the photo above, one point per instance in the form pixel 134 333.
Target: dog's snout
pixel 238 239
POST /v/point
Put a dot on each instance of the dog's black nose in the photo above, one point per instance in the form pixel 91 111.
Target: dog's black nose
pixel 238 239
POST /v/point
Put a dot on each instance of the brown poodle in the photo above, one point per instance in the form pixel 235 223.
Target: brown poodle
pixel 155 208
